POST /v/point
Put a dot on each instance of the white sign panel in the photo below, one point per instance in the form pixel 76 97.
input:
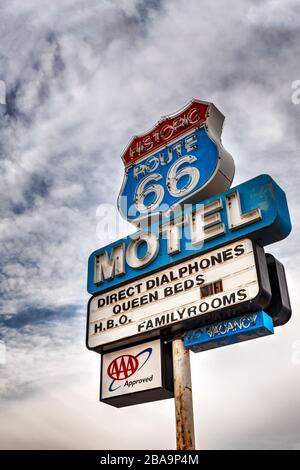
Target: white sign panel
pixel 131 370
pixel 216 280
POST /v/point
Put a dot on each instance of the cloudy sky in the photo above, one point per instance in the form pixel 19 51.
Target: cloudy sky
pixel 82 77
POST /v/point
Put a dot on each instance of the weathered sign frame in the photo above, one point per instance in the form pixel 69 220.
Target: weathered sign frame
pixel 262 300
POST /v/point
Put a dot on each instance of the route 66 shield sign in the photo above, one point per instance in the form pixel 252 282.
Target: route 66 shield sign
pixel 180 160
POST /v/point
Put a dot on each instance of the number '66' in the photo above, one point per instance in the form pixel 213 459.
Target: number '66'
pixel 149 195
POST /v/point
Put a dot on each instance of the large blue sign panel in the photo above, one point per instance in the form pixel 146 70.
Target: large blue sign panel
pixel 233 330
pixel 256 209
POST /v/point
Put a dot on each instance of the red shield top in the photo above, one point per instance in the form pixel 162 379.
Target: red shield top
pixel 167 129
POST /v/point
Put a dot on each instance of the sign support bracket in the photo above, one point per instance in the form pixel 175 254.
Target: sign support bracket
pixel 185 434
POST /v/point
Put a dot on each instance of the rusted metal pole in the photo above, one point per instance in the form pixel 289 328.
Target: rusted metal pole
pixel 185 435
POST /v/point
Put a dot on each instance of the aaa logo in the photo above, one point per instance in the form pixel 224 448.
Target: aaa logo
pixel 126 365
pixel 123 367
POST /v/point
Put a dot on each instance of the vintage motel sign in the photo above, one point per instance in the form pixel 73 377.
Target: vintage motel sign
pixel 181 159
pixel 195 266
pixel 219 284
pixel 138 374
pixel 256 209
